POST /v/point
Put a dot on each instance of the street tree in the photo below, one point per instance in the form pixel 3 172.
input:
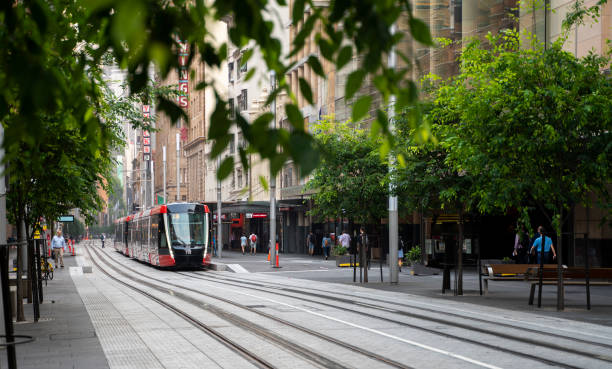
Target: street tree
pixel 351 181
pixel 49 48
pixel 532 123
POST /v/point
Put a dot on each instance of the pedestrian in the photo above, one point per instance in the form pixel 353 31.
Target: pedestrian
pixel 345 239
pixel 400 252
pixel 521 244
pixel 548 246
pixel 58 244
pixel 243 242
pixel 253 240
pixel 310 241
pixel 363 244
pixel 214 245
pixel 102 238
pixel 326 245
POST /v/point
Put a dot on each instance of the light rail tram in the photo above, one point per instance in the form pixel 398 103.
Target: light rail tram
pixel 172 235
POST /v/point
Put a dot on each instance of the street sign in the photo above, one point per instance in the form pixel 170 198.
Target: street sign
pixel 66 218
pixel 256 215
pixel 146 157
pixel 37 235
pixel 146 141
pixel 160 200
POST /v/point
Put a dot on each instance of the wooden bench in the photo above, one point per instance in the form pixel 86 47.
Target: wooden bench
pixel 514 272
pixel 574 276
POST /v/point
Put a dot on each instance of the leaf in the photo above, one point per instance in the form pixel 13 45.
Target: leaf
pixel 226 167
pixel 361 107
pixel 344 56
pixel 263 182
pixel 315 64
pixel 420 31
pixel 295 117
pixel 298 11
pixel 306 91
pixel 326 47
pixel 353 82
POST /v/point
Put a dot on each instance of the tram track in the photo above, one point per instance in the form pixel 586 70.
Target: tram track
pixel 523 340
pixel 249 356
pixel 303 291
pixel 307 354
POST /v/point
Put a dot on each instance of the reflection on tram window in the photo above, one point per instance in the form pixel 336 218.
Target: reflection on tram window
pixel 188 229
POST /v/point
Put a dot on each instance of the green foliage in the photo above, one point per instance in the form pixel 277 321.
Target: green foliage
pixel 351 181
pixel 413 255
pixel 528 126
pixel 339 250
pixel 52 50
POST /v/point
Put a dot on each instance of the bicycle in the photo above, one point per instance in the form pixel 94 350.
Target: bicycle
pixel 46 269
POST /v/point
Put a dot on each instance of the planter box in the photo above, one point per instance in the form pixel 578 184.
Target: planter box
pixel 344 261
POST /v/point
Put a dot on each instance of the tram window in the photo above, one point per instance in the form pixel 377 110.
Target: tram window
pixel 188 229
pixel 163 244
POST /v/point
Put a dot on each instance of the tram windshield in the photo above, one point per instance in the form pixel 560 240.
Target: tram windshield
pixel 188 228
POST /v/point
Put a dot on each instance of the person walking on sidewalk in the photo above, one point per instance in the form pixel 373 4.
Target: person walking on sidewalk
pixel 58 244
pixel 326 244
pixel 548 246
pixel 345 240
pixel 253 239
pixel 243 243
pixel 310 240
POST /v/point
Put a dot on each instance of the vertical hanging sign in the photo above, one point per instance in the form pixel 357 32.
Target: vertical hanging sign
pixel 183 93
pixel 146 136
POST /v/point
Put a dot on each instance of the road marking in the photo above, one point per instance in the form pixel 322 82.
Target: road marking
pixel 296 271
pixel 237 268
pixel 410 342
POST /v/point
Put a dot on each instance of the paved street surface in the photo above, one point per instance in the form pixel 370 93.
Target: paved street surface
pixel 306 314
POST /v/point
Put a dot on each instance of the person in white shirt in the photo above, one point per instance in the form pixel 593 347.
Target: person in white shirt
pixel 58 244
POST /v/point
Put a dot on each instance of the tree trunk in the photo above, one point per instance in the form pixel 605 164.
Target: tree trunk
pixel 560 287
pixel 21 238
pixel 460 255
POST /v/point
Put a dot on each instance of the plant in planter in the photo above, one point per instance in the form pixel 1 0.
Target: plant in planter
pixel 339 250
pixel 507 260
pixel 413 257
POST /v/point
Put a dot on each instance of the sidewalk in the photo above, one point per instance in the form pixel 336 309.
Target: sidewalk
pixel 505 295
pixel 64 335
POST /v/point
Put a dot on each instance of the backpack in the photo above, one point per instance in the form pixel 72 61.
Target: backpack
pixel 253 238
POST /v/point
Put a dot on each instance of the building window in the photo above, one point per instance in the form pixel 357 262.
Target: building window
pixel 233 180
pixel 243 68
pixel 230 71
pixel 243 101
pixel 231 108
pixel 241 142
pixel 238 68
pixel 232 144
pixel 239 177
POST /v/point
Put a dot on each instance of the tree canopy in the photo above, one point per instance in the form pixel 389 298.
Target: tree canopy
pixel 351 181
pixel 53 48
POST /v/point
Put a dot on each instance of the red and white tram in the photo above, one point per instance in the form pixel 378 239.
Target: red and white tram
pixel 166 235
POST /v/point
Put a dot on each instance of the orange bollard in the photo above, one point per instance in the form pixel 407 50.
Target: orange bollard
pixel 73 250
pixel 268 255
pixel 277 255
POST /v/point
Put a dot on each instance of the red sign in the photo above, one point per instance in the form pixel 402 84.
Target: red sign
pixel 146 149
pixel 146 134
pixel 146 109
pixel 184 75
pixel 260 215
pixel 184 88
pixel 223 216
pixel 183 101
pixel 146 141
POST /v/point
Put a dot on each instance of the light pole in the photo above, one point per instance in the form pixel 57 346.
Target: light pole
pixel 219 236
pixel 393 214
pixel 178 167
pixel 273 250
pixel 164 160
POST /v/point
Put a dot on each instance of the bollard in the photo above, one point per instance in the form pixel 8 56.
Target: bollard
pixel 277 266
pixel 73 250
